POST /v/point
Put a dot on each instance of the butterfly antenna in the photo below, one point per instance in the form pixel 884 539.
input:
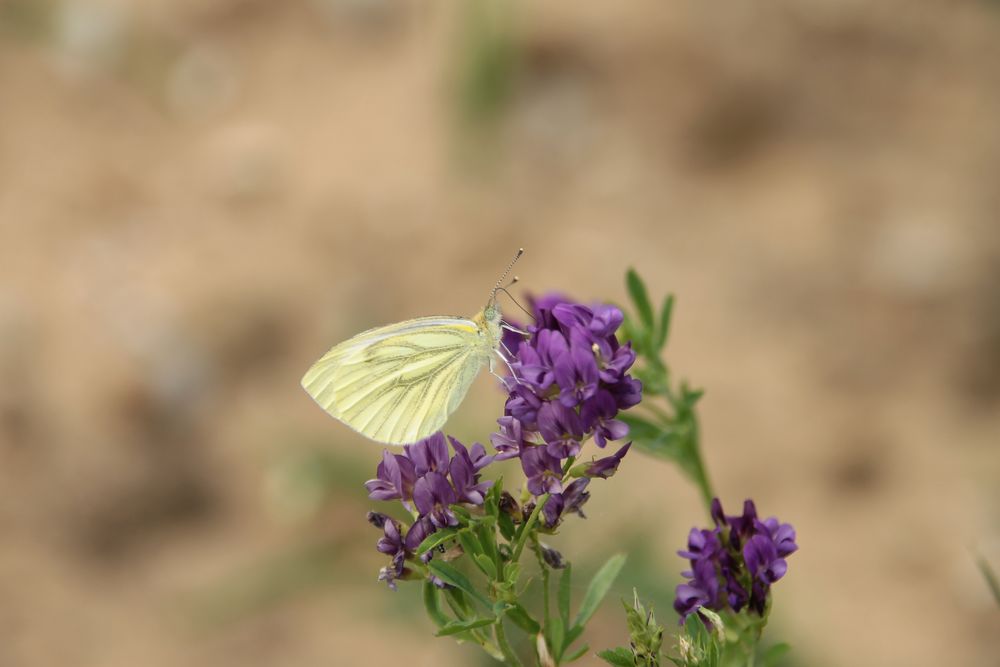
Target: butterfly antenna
pixel 511 296
pixel 499 286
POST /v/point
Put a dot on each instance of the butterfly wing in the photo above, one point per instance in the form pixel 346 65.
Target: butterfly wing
pixel 399 383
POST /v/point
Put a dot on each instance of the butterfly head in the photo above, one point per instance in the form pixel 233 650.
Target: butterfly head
pixel 491 314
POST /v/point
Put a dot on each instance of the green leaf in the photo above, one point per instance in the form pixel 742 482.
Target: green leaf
pixel 640 429
pixel 663 331
pixel 486 564
pixel 598 588
pixel 578 653
pixel 663 443
pixel 565 583
pixel 772 656
pixel 486 534
pixel 991 578
pixel 455 627
pixel 450 575
pixel 523 619
pixel 469 543
pixel 434 539
pixel 463 514
pixel 620 657
pixel 507 527
pixel 458 603
pixel 555 631
pixel 573 634
pixel 637 290
pixel 432 603
pixel 491 503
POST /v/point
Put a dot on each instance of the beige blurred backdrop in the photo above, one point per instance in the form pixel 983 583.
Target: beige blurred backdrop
pixel 198 197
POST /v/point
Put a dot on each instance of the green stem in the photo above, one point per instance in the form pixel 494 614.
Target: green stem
pixel 545 581
pixel 526 528
pixel 510 657
pixel 700 471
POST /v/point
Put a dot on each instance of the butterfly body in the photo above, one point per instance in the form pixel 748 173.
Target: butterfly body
pixel 399 383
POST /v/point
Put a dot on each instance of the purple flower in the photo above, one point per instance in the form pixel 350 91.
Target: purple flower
pixel 426 479
pixel 561 429
pixel 607 466
pixel 463 469
pixel 433 496
pixel 508 440
pixel 701 591
pixel 570 501
pixel 429 455
pixel 600 411
pixel 392 542
pixel 394 480
pixel 543 471
pixel 421 529
pixel 761 558
pixel 739 550
pixel 576 373
pixel 570 380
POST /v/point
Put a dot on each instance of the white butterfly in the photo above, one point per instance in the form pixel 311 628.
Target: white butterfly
pixel 399 383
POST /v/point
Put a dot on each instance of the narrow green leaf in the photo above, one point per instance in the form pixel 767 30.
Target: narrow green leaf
pixel 556 634
pixel 565 584
pixel 637 290
pixel 458 603
pixel 573 634
pixel 639 428
pixel 487 536
pixel 450 575
pixel 991 578
pixel 432 603
pixel 469 543
pixel 463 514
pixel 491 504
pixel 598 588
pixel 663 331
pixel 463 626
pixel 578 653
pixel 619 657
pixel 434 539
pixel 522 619
pixel 507 527
pixel 486 564
pixel 663 443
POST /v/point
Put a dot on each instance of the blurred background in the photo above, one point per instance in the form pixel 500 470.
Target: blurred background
pixel 198 198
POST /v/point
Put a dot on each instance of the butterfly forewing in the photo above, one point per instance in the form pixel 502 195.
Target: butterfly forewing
pixel 399 383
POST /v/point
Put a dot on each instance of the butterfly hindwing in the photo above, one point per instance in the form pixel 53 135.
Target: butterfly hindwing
pixel 399 383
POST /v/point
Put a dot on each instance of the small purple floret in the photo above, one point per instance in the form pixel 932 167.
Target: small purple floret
pixel 738 549
pixel 570 380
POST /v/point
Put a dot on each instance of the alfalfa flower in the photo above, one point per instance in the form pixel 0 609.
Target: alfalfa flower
pixel 734 564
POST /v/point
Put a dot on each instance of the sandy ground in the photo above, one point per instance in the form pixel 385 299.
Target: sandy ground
pixel 197 198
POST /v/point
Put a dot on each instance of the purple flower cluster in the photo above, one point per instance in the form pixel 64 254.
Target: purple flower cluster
pixel 734 564
pixel 569 382
pixel 428 482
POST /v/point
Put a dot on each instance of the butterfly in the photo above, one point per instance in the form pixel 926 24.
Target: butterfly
pixel 399 383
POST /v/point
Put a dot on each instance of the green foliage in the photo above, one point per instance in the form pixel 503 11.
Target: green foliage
pixel 665 424
pixel 480 563
pixel 486 63
pixel 645 638
pixel 599 587
pixel 698 646
pixel 991 578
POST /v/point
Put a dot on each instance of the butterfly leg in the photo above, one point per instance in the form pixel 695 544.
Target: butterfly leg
pixel 506 361
pixel 504 325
